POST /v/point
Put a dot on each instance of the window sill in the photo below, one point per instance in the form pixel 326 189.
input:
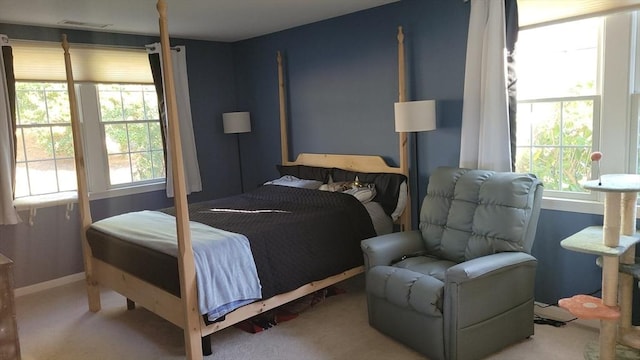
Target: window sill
pixel 42 201
pixel 68 198
pixel 125 191
pixel 577 206
pixel 32 203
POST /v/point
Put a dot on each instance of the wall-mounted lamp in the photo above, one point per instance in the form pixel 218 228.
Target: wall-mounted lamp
pixel 237 123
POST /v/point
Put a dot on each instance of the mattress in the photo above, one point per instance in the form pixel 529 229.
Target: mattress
pixel 296 236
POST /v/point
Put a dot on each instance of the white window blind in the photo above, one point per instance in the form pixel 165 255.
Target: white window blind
pixel 44 61
pixel 539 12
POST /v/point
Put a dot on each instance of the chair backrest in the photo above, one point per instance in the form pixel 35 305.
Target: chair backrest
pixel 471 213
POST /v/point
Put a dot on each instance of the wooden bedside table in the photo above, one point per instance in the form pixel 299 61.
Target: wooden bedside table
pixel 9 343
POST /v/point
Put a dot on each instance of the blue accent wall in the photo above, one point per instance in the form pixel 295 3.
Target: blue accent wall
pixel 563 273
pixel 342 81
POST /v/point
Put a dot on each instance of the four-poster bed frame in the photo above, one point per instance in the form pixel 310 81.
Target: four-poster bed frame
pixel 183 311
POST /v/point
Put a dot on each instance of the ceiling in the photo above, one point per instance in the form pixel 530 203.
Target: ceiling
pixel 233 20
pixel 220 20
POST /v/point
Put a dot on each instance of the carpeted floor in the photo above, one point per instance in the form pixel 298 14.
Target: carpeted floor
pixel 592 352
pixel 56 325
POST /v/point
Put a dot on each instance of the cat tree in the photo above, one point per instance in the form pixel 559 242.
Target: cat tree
pixel 614 242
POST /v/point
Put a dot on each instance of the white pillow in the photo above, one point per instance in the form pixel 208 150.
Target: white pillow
pixel 292 181
pixel 402 201
pixel 364 194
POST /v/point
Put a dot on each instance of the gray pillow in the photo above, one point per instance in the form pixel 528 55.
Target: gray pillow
pixel 292 181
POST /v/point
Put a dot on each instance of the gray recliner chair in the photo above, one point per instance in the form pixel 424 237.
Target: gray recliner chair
pixel 462 286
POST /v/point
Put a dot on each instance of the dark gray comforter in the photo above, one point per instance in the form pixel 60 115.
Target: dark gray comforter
pixel 297 236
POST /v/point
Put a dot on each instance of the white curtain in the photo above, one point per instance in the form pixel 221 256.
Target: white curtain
pixel 485 137
pixel 8 213
pixel 193 181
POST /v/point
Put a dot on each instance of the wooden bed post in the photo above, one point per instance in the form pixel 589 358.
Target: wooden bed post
pixel 93 291
pixel 405 219
pixel 186 266
pixel 284 142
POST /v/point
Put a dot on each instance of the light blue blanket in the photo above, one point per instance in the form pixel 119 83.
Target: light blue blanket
pixel 225 271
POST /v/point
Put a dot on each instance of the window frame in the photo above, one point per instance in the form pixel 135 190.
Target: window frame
pixel 96 164
pixel 25 126
pixel 634 128
pixel 95 64
pixel 619 50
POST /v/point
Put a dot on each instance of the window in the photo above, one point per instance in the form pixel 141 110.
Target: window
pixel 120 124
pixel 129 134
pixel 130 122
pixel 44 156
pixel 575 96
pixel 558 104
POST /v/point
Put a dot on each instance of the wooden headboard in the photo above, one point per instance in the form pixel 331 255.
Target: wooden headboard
pixel 359 163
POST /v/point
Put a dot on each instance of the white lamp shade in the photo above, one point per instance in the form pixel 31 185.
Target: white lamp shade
pixel 236 122
pixel 413 116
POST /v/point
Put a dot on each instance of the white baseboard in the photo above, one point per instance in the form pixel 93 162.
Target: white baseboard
pixel 26 290
pixel 558 313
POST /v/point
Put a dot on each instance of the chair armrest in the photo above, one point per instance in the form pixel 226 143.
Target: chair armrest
pixel 484 265
pixel 381 250
pixel 485 287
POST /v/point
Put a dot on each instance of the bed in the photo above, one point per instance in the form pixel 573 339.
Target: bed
pixel 289 270
pixel 295 236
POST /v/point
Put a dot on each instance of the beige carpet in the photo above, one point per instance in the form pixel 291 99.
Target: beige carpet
pixel 55 324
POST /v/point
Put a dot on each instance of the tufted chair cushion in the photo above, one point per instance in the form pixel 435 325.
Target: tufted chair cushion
pixel 478 213
pixel 407 289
